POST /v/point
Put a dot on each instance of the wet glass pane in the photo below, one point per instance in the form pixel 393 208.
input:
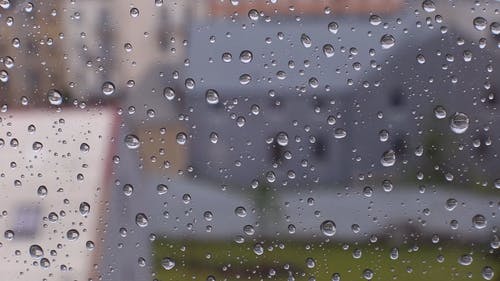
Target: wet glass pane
pixel 249 140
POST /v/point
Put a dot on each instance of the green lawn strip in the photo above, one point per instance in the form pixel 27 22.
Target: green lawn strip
pixel 229 260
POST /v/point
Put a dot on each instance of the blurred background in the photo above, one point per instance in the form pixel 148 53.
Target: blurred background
pixel 254 140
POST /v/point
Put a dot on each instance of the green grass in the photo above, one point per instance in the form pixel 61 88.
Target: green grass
pixel 195 260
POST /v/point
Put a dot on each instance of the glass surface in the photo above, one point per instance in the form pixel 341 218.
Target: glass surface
pixel 249 140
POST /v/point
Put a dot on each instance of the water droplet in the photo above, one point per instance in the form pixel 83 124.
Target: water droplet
pixel 4 76
pixel 167 263
pixel 84 147
pixel 253 15
pixel 132 141
pixel 328 50
pixel 479 221
pixel 42 191
pixel 428 6
pixel 246 56
pixel 368 274
pixel 141 220
pixel 394 254
pixel 9 234
pixel 108 88
pixel 310 263
pixel 339 133
pixel 451 204
pixel 388 158
pixel 465 260
pixel 169 93
pixel 208 216
pixel 487 273
pixel 333 27
pixel 355 228
pixel 36 251
pixel 420 59
pixel 189 83
pixel 328 228
pixel 335 277
pixel 214 137
pixel 37 146
pixel 375 20
pixel 72 234
pixel 240 212
pixel 54 97
pixel 282 139
pixel 459 123
pixel 245 79
pixel 306 41
pixel 495 28
pixel 161 189
pixel 45 263
pixel 249 230
pixel 480 23
pixel 134 12
pixel 84 208
pixel 181 138
pixel 387 41
pixel 212 96
pixel 258 249
pixel 227 57
pixel 90 245
pixel 128 189
pixel 383 135
pixel 440 112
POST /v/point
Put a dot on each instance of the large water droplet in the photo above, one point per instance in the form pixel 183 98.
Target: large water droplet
pixel 282 139
pixel 306 40
pixel 479 221
pixel 480 23
pixel 84 208
pixel 36 251
pixel 459 123
pixel 487 273
pixel 333 27
pixel 387 41
pixel 388 158
pixel 54 97
pixel 428 6
pixel 108 88
pixel 141 220
pixel 246 56
pixel 72 234
pixel 167 263
pixel 132 141
pixel 328 228
pixel 212 96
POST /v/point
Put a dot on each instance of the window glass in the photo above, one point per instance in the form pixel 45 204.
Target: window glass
pixel 249 140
